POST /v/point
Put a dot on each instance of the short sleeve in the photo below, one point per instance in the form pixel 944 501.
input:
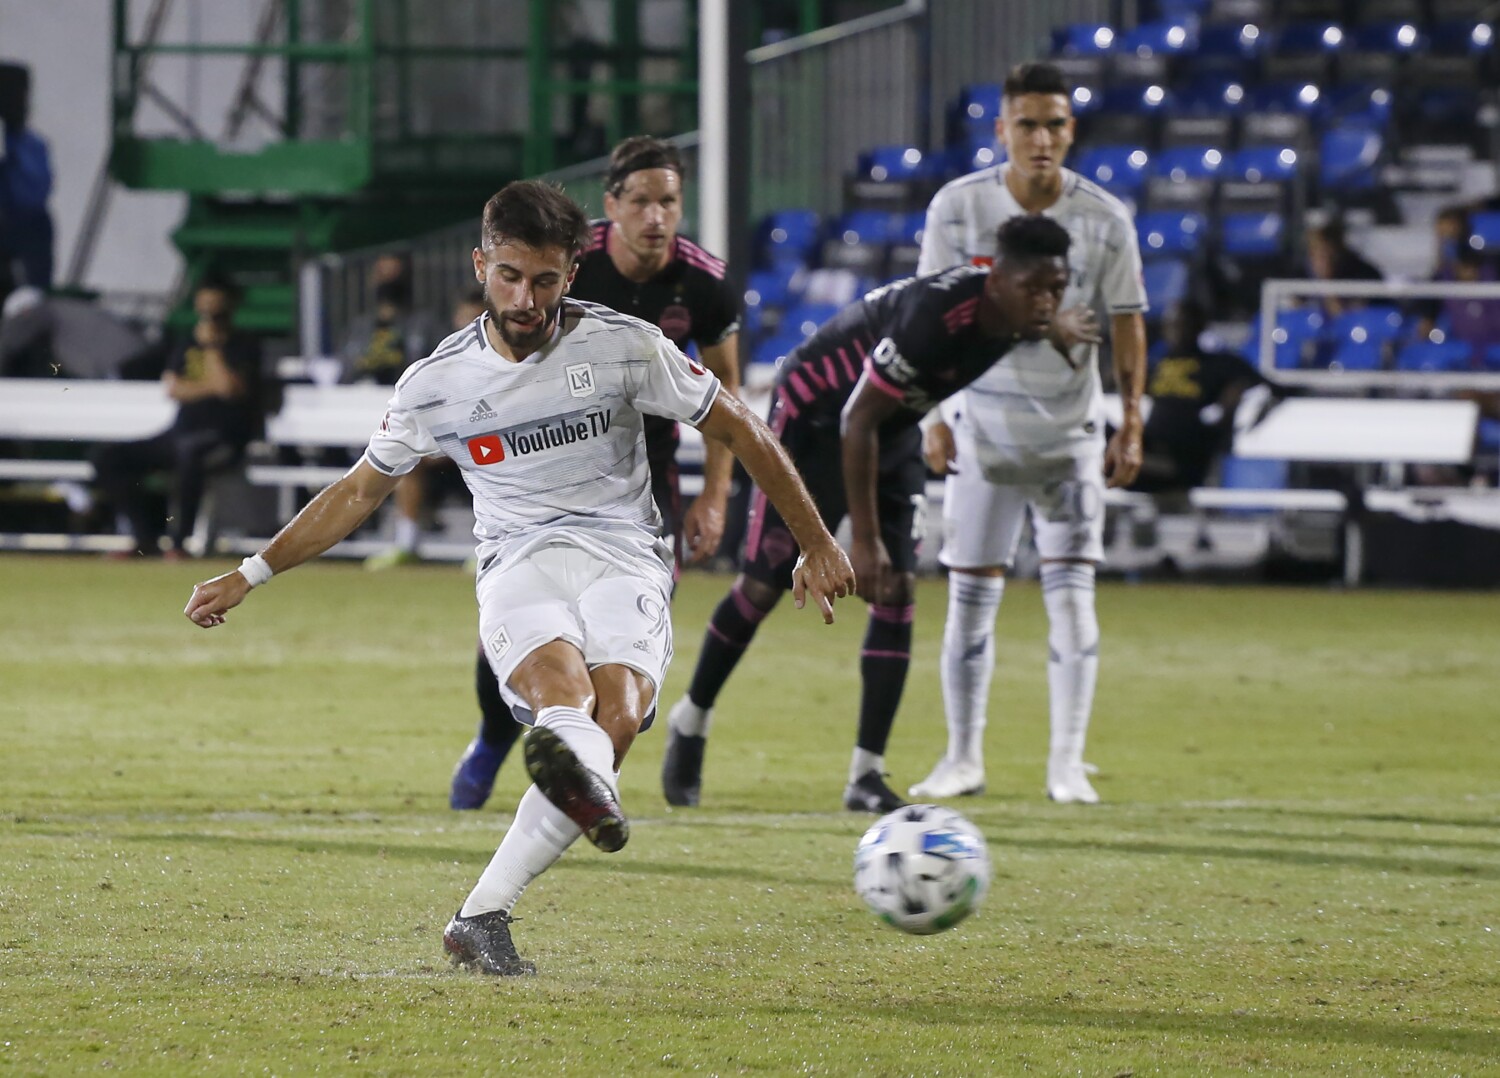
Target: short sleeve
pixel 399 442
pixel 941 236
pixel 675 386
pixel 1121 284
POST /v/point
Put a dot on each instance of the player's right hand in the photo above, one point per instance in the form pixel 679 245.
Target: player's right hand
pixel 212 599
pixel 824 572
pixel 940 450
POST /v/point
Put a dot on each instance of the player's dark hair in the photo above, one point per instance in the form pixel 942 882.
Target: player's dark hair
pixel 636 154
pixel 216 281
pixel 1036 78
pixel 1030 237
pixel 537 214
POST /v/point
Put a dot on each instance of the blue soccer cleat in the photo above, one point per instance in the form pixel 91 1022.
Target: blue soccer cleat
pixel 474 777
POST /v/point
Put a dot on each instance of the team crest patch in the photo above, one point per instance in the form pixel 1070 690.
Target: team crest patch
pixel 499 642
pixel 581 379
pixel 676 322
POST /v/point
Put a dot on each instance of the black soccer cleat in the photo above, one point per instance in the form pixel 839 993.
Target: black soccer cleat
pixel 682 768
pixel 483 942
pixel 582 795
pixel 869 793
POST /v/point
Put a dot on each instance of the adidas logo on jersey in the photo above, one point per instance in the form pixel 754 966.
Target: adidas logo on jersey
pixel 481 412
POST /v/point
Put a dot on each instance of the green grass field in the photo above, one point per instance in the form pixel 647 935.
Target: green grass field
pixel 231 851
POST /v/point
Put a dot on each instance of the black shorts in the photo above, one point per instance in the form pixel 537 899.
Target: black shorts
pixel 662 439
pixel 814 446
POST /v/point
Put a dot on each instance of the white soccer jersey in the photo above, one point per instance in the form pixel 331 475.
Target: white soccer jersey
pixel 551 447
pixel 1034 412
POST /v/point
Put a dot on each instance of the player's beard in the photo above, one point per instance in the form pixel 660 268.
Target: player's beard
pixel 515 338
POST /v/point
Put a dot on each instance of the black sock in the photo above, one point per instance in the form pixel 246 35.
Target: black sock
pixel 729 633
pixel 883 662
pixel 498 728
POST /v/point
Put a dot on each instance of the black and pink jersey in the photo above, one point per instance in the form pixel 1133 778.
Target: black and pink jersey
pixel 918 339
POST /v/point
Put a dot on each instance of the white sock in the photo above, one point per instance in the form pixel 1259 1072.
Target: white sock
pixel 863 762
pixel 407 534
pixel 538 837
pixel 969 661
pixel 1073 662
pixel 584 736
pixel 690 720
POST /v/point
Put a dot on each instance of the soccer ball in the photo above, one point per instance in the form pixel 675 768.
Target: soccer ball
pixel 922 868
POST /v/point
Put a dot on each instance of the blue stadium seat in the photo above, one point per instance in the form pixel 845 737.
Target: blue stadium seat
pixel 1308 37
pixel 1252 235
pixel 1489 359
pixel 1484 231
pixel 1295 338
pixel 909 228
pixel 1262 164
pixel 1290 96
pixel 1166 281
pixel 774 347
pixel 1348 158
pixel 1214 95
pixel 1361 338
pixel 1227 50
pixel 1167 37
pixel 866 226
pixel 804 319
pixel 1241 473
pixel 1083 39
pixel 1363 104
pixel 1436 356
pixel 893 164
pixel 788 235
pixel 1400 38
pixel 1488 438
pixel 769 287
pixel 1145 100
pixel 980 102
pixel 1462 37
pixel 1121 170
pixel 1170 233
pixel 1179 163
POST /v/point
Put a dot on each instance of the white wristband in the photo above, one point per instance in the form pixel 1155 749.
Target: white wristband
pixel 255 570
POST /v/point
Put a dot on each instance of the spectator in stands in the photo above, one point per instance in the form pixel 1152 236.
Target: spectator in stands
pixel 1476 322
pixel 1451 229
pixel 383 341
pixel 1194 394
pixel 57 336
pixel 1330 258
pixel 25 185
pixel 215 378
pixel 414 492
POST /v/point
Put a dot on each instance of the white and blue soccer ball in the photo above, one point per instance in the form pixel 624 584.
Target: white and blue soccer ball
pixel 922 868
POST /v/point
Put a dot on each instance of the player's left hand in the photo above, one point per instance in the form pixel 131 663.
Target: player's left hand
pixel 703 528
pixel 1123 456
pixel 872 566
pixel 1076 325
pixel 824 572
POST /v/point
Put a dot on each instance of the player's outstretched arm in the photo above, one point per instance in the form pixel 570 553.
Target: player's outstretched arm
pixel 823 571
pixel 335 513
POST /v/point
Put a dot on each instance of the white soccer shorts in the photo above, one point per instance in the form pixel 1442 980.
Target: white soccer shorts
pixel 560 592
pixel 982 520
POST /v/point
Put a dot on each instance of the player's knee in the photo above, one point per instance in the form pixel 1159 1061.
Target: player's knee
pixel 552 675
pixel 760 595
pixel 899 589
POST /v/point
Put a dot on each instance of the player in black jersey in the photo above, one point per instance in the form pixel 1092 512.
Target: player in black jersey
pixel 847 405
pixel 638 264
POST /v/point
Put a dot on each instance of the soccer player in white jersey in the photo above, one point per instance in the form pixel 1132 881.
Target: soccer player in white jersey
pixel 540 401
pixel 1028 437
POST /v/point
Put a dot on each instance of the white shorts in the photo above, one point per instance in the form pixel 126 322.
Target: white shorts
pixel 609 613
pixel 982 520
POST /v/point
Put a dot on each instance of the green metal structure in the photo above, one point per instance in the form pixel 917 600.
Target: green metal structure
pixel 359 122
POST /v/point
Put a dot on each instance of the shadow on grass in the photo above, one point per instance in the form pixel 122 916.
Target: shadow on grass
pixel 1308 858
pixel 1478 845
pixel 1490 824
pixel 476 857
pixel 1400 1033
